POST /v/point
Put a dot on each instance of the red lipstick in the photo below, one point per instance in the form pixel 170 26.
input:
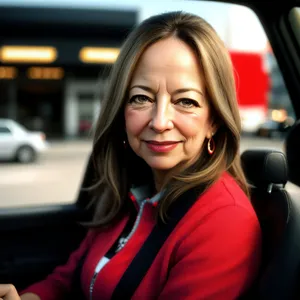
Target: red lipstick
pixel 161 147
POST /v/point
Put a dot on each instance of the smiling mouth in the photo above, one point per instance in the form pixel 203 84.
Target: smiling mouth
pixel 161 147
pixel 162 143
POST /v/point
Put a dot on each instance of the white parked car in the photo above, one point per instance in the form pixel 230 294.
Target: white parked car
pixel 17 143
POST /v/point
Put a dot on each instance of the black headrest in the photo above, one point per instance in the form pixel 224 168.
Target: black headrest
pixel 292 147
pixel 263 167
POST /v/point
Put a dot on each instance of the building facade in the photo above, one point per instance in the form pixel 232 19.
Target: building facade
pixel 54 63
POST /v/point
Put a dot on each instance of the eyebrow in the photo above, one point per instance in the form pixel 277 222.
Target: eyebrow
pixel 178 91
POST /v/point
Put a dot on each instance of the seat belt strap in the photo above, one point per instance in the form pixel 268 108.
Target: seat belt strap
pixel 146 255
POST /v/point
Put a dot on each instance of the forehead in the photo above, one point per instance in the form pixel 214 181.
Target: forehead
pixel 169 57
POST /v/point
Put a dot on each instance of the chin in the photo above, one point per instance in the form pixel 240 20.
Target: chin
pixel 162 164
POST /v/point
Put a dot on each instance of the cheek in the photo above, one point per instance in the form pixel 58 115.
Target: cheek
pixel 135 121
pixel 193 125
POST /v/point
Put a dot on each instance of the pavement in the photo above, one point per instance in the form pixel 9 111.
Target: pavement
pixel 57 175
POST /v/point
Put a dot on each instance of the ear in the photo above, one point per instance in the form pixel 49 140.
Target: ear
pixel 213 128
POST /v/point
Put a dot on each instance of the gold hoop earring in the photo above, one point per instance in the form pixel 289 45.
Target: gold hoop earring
pixel 211 146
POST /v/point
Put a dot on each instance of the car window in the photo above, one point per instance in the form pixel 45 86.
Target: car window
pixel 57 97
pixel 294 18
pixel 4 130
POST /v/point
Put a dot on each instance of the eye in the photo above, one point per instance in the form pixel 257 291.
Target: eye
pixel 188 103
pixel 139 99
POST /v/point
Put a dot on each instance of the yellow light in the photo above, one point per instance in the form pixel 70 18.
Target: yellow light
pixel 45 73
pixel 8 72
pixel 98 55
pixel 27 54
pixel 279 115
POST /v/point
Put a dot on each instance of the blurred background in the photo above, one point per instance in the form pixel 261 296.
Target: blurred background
pixel 55 58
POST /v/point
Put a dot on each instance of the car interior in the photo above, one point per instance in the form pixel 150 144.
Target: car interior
pixel 36 239
pixel 278 213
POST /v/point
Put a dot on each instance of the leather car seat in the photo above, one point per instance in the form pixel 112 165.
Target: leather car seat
pixel 292 149
pixel 279 217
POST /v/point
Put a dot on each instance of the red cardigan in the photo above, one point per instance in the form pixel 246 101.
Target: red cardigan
pixel 213 253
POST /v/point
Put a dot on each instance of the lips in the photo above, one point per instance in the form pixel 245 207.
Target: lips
pixel 162 147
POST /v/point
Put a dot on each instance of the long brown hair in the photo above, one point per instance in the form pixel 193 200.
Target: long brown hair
pixel 118 167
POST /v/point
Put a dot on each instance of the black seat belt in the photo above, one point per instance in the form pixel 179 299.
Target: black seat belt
pixel 144 258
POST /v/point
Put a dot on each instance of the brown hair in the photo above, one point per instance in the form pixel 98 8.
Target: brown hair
pixel 118 168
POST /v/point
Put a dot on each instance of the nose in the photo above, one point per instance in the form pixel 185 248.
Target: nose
pixel 162 116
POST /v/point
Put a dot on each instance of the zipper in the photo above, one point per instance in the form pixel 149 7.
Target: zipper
pixel 122 242
pixel 102 262
pixel 92 284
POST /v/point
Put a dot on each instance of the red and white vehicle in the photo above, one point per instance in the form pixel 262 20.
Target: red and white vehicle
pixel 252 83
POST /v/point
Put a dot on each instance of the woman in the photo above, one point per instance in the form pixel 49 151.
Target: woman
pixel 169 124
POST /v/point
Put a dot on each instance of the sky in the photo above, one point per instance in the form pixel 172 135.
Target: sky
pixel 237 26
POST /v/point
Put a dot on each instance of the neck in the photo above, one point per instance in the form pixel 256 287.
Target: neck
pixel 159 177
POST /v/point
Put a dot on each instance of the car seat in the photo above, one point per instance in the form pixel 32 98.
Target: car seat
pixel 279 217
pixel 292 148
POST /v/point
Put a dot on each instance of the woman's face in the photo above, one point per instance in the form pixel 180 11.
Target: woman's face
pixel 167 116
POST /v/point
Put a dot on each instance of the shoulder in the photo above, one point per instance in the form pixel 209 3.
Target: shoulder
pixel 224 193
pixel 218 241
pixel 223 205
pixel 222 217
